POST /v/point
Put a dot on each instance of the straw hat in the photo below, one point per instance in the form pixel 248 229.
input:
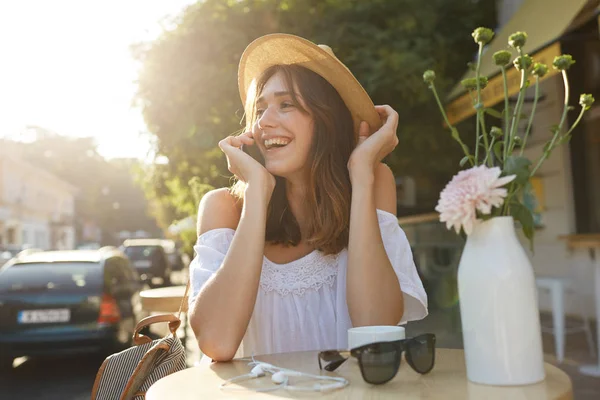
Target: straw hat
pixel 280 48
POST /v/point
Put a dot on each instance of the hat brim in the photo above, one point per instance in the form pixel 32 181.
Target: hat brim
pixel 286 49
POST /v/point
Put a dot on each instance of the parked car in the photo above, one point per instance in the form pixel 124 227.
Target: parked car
pixel 174 254
pixel 149 258
pixel 9 251
pixel 57 302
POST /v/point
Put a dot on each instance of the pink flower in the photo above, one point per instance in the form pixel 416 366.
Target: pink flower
pixel 478 188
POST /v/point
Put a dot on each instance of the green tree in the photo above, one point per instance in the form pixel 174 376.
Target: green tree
pixel 188 81
pixel 107 193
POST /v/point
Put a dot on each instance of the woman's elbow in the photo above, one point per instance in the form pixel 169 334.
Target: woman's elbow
pixel 217 349
pixel 211 340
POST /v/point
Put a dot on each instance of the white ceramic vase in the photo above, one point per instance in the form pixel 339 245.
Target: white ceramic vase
pixel 499 307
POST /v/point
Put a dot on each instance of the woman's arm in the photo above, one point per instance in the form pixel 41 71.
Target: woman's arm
pixel 374 295
pixel 223 307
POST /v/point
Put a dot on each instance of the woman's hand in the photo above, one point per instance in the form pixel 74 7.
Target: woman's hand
pixel 242 165
pixel 371 149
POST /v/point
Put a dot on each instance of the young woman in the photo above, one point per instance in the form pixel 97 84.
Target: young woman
pixel 308 245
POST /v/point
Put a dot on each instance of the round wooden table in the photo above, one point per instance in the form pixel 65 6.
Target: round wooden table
pixel 166 299
pixel 446 381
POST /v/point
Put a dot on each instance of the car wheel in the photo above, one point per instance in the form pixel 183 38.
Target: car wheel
pixel 167 280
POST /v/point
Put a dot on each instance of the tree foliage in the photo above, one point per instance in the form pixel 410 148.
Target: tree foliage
pixel 107 194
pixel 188 81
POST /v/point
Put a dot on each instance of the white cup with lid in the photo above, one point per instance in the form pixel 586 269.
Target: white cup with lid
pixel 362 335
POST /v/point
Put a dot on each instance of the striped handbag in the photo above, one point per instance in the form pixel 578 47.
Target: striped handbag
pixel 129 374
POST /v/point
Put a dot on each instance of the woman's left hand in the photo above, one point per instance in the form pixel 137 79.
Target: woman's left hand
pixel 371 149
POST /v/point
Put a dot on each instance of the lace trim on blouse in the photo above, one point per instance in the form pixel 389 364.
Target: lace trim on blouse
pixel 310 272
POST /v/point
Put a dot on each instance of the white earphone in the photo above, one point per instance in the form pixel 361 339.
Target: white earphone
pixel 280 377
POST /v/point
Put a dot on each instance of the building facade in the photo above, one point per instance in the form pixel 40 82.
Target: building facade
pixel 37 209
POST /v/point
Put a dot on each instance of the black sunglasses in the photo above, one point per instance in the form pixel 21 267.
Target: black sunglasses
pixel 379 362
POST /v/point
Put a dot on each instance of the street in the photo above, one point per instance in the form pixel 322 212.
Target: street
pixel 67 377
pixel 71 377
pixel 60 378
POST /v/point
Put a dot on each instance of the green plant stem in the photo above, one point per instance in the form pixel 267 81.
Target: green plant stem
pixel 563 118
pixel 506 110
pixel 517 112
pixel 576 122
pixel 519 109
pixel 547 153
pixel 473 99
pixel 481 122
pixel 535 100
pixel 490 151
pixel 478 106
pixel 566 103
pixel 513 125
pixel 439 103
pixel 452 128
pixel 485 136
pixel 506 208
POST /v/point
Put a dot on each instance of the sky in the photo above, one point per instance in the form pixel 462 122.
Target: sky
pixel 65 65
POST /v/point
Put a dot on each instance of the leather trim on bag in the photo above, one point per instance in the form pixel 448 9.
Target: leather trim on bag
pixel 98 378
pixel 173 321
pixel 133 384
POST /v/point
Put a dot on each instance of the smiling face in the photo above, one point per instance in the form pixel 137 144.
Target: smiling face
pixel 283 128
pixel 306 133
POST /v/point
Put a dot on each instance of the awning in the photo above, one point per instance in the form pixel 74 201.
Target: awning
pixel 544 21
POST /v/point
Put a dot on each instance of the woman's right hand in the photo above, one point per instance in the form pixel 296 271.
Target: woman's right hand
pixel 242 165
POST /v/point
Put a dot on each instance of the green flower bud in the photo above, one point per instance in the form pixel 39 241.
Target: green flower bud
pixel 517 141
pixel 586 101
pixel 496 132
pixel 482 35
pixel 563 62
pixel 517 40
pixel 471 83
pixel 539 70
pixel 502 57
pixel 523 62
pixel 429 76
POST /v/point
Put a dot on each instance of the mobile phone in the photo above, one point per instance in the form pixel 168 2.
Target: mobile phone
pixel 254 152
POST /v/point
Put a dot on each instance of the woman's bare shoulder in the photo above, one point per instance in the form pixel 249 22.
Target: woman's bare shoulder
pixel 218 209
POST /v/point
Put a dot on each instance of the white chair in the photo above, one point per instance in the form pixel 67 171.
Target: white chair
pixel 557 288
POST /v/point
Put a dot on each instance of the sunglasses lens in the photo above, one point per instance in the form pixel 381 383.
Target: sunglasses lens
pixel 421 353
pixel 379 363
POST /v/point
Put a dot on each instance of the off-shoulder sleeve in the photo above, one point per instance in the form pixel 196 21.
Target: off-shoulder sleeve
pixel 210 250
pixel 400 254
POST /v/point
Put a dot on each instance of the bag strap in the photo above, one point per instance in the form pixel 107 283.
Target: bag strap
pixel 174 321
pixel 184 298
pixel 143 369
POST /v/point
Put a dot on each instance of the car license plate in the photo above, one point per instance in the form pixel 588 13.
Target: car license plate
pixel 142 264
pixel 44 316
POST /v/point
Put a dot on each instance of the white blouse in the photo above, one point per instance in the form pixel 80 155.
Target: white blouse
pixel 301 305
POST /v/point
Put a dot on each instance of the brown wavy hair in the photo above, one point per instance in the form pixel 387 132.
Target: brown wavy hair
pixel 328 199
